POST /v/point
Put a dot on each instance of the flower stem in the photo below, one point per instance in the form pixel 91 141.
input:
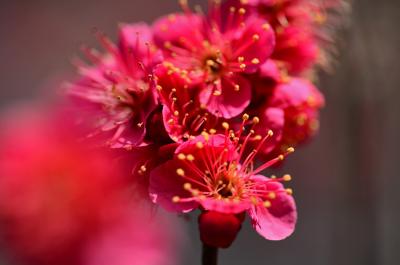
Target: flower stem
pixel 210 255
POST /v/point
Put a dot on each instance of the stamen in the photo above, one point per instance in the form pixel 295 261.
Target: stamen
pixel 267 204
pixel 175 199
pixel 287 177
pixel 180 172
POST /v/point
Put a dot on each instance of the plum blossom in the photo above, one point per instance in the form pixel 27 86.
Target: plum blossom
pixel 64 203
pixel 217 51
pixel 301 102
pixel 115 95
pixel 212 172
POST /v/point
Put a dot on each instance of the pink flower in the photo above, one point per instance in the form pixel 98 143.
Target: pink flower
pixel 212 173
pixel 297 48
pixel 116 95
pixel 303 29
pixel 63 203
pixel 301 101
pixel 182 113
pixel 284 12
pixel 216 52
pixel 135 239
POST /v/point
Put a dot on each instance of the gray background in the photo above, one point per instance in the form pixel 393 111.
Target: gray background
pixel 346 181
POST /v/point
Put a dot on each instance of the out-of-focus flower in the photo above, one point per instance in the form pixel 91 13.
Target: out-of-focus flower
pixel 116 95
pixel 301 102
pixel 296 48
pixel 216 51
pixel 211 172
pixel 303 29
pixel 64 203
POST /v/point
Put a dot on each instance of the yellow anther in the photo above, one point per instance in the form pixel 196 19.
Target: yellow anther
pixel 225 125
pixel 272 195
pixel 240 59
pixel 267 204
pixel 273 177
pixel 176 113
pixel 255 61
pixel 242 11
pixel 314 125
pixel 242 66
pixel 266 26
pixel 142 170
pixel 195 192
pixel 172 17
pixel 290 150
pixel 236 87
pixel 213 131
pixel 256 120
pixel 289 191
pixel 187 186
pixel 199 145
pixel 205 135
pixel 301 120
pixel 256 37
pixel 245 117
pixel 257 137
pixel 159 88
pixel 190 157
pixel 254 200
pixel 176 199
pixel 181 156
pixel 210 62
pixel 232 9
pixel 217 93
pixel 180 172
pixel 281 157
pixel 287 177
pixel 270 133
pixel 171 121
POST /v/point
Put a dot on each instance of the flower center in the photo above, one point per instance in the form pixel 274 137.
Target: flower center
pixel 224 188
pixel 213 65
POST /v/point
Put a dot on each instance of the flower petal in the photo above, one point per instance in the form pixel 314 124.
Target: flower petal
pixel 165 184
pixel 255 43
pixel 278 221
pixel 233 98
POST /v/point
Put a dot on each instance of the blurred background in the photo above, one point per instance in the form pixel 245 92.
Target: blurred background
pixel 346 181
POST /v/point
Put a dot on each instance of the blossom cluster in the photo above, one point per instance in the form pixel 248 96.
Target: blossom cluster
pixel 199 98
pixel 187 113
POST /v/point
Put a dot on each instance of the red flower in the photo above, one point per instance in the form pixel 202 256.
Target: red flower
pixel 183 115
pixel 301 101
pixel 217 54
pixel 212 172
pixel 63 203
pixel 303 29
pixel 116 95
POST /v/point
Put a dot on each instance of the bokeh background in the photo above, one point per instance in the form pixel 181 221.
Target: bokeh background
pixel 346 181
